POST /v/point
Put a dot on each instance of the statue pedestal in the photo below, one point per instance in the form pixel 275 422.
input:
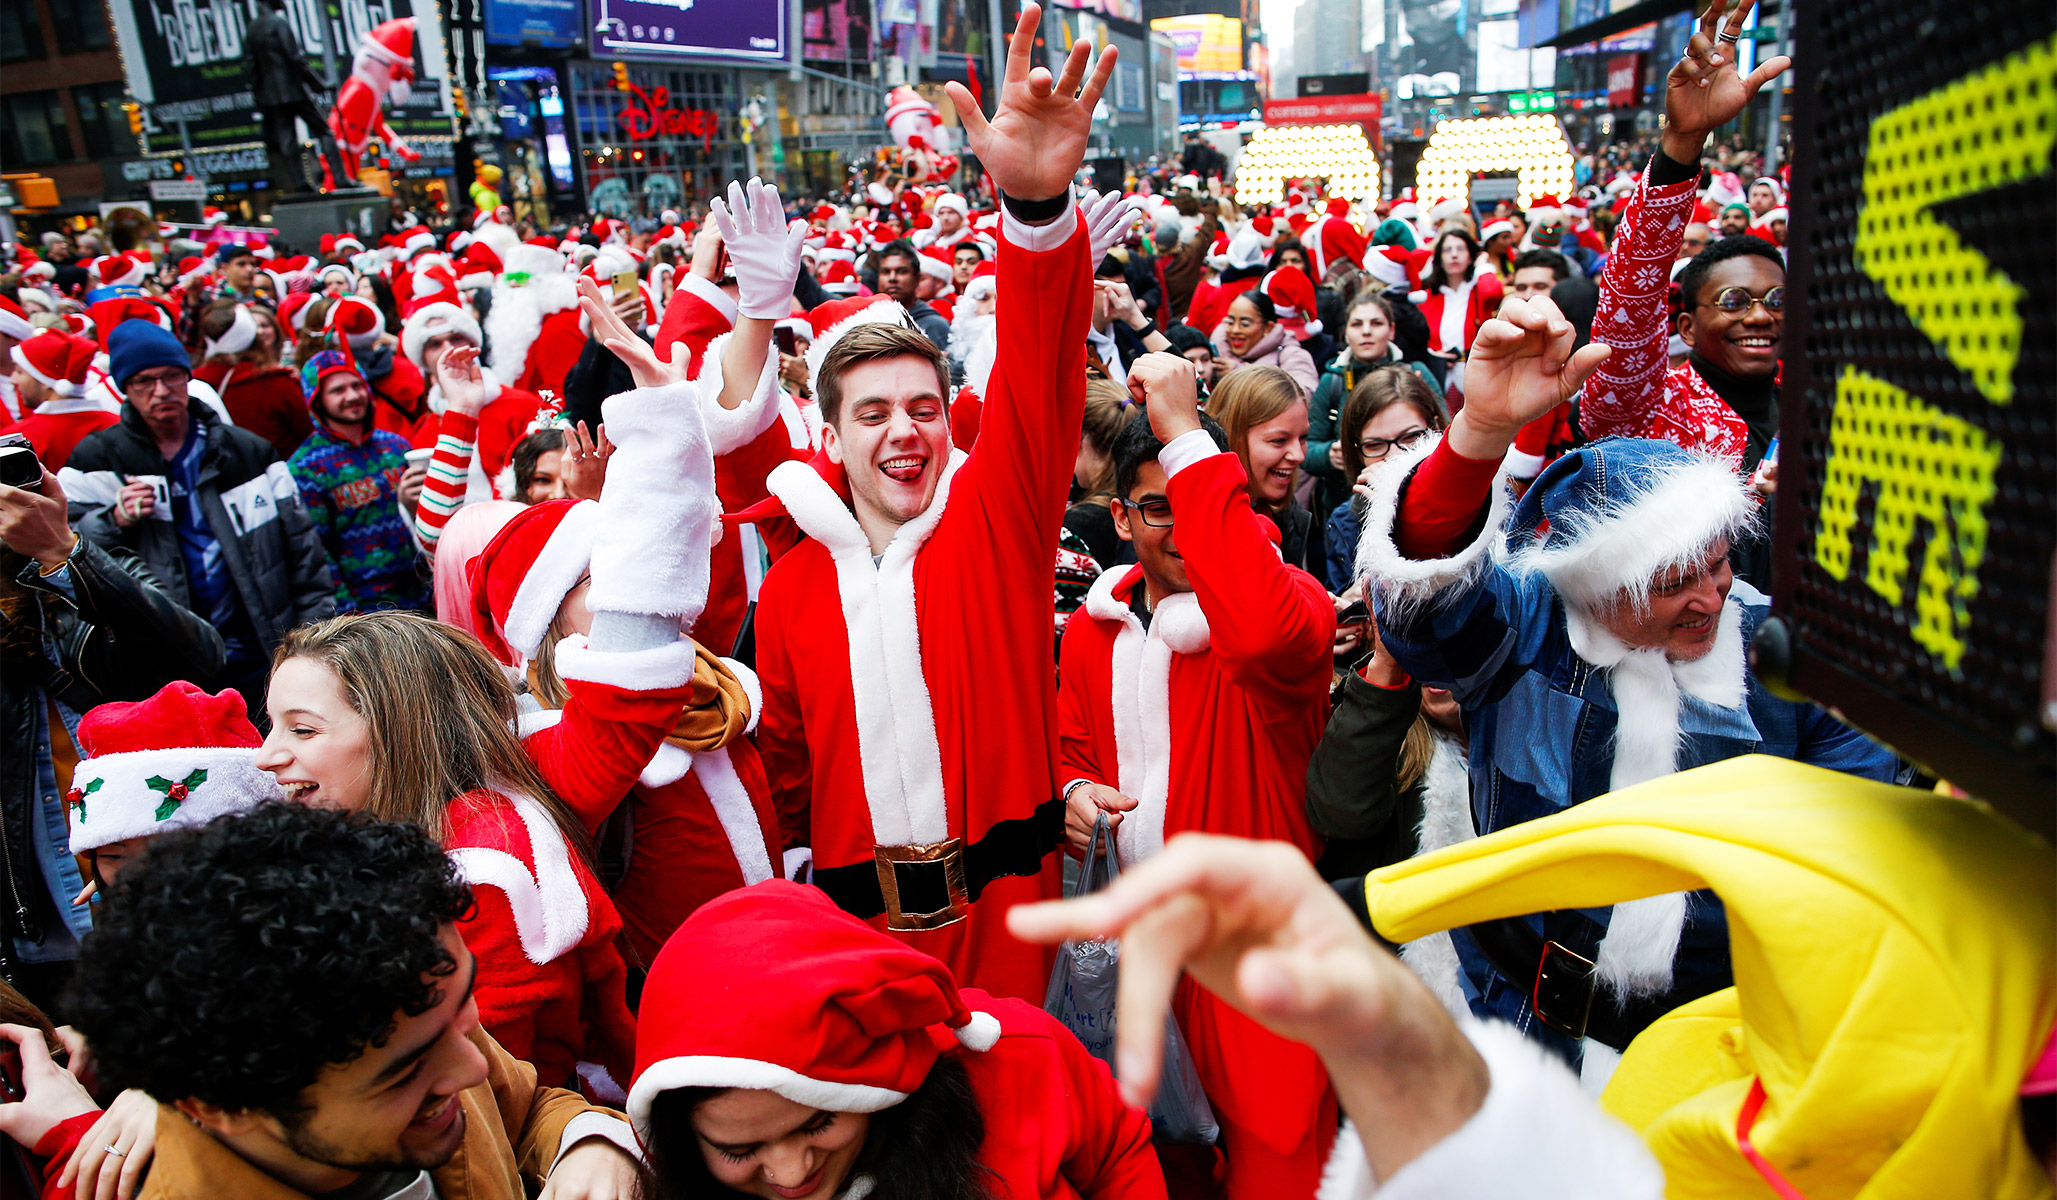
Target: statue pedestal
pixel 301 218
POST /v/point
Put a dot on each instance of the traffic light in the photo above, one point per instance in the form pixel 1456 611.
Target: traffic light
pixel 135 112
pixel 621 77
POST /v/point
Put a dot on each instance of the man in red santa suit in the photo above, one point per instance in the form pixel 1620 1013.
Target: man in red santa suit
pixel 910 714
pixel 533 324
pixel 1195 686
pixel 383 68
pixel 50 378
pixel 473 446
pixel 952 216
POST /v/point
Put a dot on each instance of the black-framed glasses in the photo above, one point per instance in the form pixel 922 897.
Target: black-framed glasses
pixel 1374 449
pixel 147 383
pixel 1736 299
pixel 1155 513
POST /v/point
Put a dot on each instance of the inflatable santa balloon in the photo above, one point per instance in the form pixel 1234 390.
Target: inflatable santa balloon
pixel 383 68
pixel 917 128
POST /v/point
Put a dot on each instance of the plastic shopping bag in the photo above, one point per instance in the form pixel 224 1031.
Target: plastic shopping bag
pixel 1081 996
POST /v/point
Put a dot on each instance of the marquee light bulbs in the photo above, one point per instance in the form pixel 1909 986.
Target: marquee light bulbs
pixel 1533 146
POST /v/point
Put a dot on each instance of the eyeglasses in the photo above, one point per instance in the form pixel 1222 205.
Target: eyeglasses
pixel 1736 299
pixel 1155 513
pixel 1374 449
pixel 173 379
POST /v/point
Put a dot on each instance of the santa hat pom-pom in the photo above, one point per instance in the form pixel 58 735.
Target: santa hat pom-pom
pixel 981 1033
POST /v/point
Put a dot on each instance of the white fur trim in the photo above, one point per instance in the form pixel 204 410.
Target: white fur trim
pixel 981 1033
pixel 1536 1136
pixel 738 816
pixel 882 309
pixel 1140 701
pixel 1347 1173
pixel 1592 557
pixel 238 337
pixel 668 764
pixel 516 318
pixel 122 803
pixel 799 863
pixel 1445 821
pixel 1520 464
pixel 551 577
pixel 1596 1064
pixel 1406 582
pixel 1037 239
pixel 709 1070
pixel 550 909
pixel 752 688
pixel 592 1124
pixel 432 320
pixel 1186 450
pixel 658 668
pixel 729 430
pixel 896 726
pixel 709 291
pixel 653 549
pixel 64 387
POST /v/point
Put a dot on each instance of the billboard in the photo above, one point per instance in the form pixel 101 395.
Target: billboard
pixel 1204 41
pixel 553 23
pixel 1120 10
pixel 184 61
pixel 740 29
pixel 1324 110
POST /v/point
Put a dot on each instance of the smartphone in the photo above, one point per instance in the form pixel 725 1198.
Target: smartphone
pixel 11 1090
pixel 624 284
pixel 724 267
pixel 19 466
pixel 1354 614
pixel 785 340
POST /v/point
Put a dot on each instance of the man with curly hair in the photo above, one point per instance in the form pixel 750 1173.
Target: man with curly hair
pixel 291 985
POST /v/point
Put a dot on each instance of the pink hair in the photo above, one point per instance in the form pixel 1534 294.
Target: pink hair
pixel 466 533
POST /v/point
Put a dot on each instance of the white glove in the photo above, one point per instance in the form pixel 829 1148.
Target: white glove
pixel 764 248
pixel 1108 220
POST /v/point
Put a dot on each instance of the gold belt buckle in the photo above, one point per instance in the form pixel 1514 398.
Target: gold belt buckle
pixel 951 855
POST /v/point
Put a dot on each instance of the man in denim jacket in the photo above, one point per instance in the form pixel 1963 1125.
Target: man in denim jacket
pixel 1595 641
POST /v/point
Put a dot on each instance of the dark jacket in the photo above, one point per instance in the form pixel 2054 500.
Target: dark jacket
pixel 279 74
pixel 1353 795
pixel 252 505
pixel 117 636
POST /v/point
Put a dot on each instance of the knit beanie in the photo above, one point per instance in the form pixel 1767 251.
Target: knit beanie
pixel 135 346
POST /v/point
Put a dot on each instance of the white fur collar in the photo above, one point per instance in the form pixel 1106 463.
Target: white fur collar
pixel 897 749
pixel 550 907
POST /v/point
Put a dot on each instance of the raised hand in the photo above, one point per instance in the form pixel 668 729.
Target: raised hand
pixel 648 369
pixel 1521 366
pixel 1169 387
pixel 584 469
pixel 1704 90
pixel 460 380
pixel 1109 219
pixel 766 249
pixel 1035 142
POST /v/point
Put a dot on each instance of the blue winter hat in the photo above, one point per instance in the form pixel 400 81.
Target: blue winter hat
pixel 137 345
pixel 1610 517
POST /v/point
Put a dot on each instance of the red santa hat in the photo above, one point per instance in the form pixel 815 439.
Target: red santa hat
pixel 80 325
pixel 434 285
pixel 952 200
pixel 479 265
pixel 175 761
pixel 391 43
pixel 293 313
pixel 213 216
pixel 1335 238
pixel 107 314
pixel 936 261
pixel 1292 295
pixel 838 317
pixel 523 575
pixel 357 320
pixel 840 278
pixel 1545 209
pixel 120 270
pixel 56 359
pixel 434 320
pixel 1494 229
pixel 347 243
pixel 984 281
pixel 842 1018
pixel 14 322
pixel 1251 245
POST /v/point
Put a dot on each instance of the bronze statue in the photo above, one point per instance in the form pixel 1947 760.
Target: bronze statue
pixel 283 87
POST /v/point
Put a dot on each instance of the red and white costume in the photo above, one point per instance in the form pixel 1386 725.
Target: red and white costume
pixel 382 69
pixel 551 984
pixel 60 362
pixel 909 702
pixel 1208 719
pixel 535 330
pixel 1636 392
pixel 703 821
pixel 845 1020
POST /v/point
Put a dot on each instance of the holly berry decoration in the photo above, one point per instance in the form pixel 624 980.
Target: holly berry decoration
pixel 175 791
pixel 76 797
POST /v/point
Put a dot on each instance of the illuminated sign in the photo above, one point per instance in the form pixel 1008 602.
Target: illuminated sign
pixel 1533 146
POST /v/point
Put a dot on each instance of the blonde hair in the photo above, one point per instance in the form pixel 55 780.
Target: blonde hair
pixel 1248 397
pixel 1107 413
pixel 440 714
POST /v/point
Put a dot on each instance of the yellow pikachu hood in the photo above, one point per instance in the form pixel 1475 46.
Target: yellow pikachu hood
pixel 1895 964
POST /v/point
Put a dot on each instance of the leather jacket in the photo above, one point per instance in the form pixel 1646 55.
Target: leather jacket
pixel 117 636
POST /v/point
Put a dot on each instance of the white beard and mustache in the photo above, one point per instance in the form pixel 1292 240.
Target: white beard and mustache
pixel 974 339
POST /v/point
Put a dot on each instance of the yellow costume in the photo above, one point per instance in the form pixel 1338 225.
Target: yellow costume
pixel 1895 964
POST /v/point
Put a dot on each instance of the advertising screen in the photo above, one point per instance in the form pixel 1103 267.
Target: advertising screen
pixel 746 29
pixel 1205 41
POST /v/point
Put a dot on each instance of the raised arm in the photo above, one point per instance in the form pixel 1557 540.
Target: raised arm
pixel 1703 92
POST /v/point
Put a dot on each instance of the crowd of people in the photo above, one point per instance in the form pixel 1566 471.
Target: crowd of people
pixel 618 708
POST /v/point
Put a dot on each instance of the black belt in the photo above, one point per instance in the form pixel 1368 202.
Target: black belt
pixel 931 886
pixel 1564 986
